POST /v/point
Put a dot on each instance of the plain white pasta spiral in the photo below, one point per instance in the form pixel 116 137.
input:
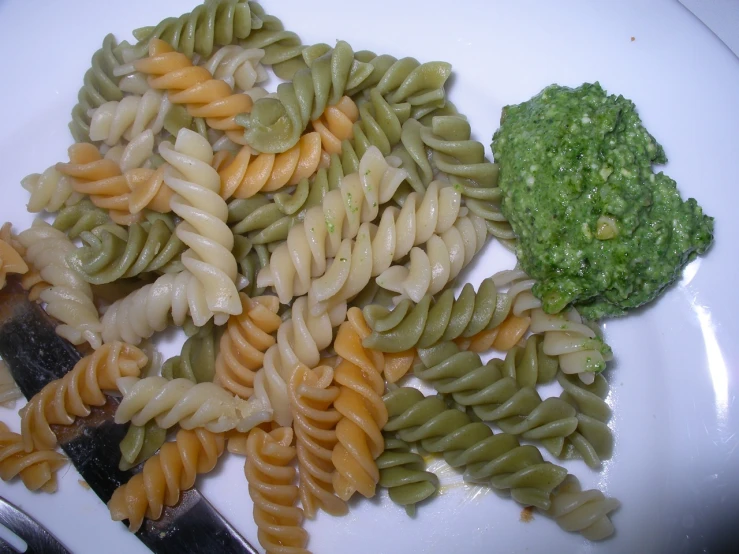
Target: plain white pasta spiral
pixel 148 309
pixel 50 191
pixel 429 270
pixel 69 298
pixel 303 258
pixel 189 405
pixel 198 202
pixel 300 340
pixel 578 347
pixel 239 67
pixel 129 117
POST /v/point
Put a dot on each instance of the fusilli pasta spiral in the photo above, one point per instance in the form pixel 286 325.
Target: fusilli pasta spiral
pixel 295 264
pixel 212 24
pixel 189 405
pixel 497 397
pixel 129 117
pixel 37 469
pixel 204 212
pixel 197 359
pixel 584 512
pixel 140 444
pixel 63 400
pixel 270 476
pixel 497 460
pixel 404 474
pixel 311 398
pixel 165 475
pixel 247 337
pixel 69 297
pixel 112 252
pixel 358 432
pixel 100 178
pixel 246 174
pixel 430 322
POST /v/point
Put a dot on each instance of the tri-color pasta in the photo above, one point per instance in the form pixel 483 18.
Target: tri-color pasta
pixel 309 240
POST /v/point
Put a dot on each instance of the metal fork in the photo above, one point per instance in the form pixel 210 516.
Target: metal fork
pixel 38 539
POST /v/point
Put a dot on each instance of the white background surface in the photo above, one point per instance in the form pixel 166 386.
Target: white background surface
pixel 674 381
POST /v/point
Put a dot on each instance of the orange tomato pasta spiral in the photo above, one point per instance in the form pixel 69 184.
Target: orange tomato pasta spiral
pixel 63 400
pixel 248 335
pixel 10 262
pixel 270 476
pixel 247 174
pixel 315 419
pixel 99 178
pixel 36 469
pixel 363 412
pixel 336 124
pixel 195 87
pixel 165 476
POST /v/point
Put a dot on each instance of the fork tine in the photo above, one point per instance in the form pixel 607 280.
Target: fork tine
pixel 38 539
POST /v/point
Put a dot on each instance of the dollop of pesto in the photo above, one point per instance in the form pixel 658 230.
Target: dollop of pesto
pixel 596 226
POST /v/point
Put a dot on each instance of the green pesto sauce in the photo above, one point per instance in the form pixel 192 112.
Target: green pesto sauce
pixel 596 226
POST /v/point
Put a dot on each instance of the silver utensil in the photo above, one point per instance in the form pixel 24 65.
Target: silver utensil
pixel 38 539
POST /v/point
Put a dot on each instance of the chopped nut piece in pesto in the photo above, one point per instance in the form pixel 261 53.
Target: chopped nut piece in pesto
pixel 596 226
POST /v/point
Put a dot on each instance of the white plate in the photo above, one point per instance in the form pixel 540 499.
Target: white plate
pixel 675 462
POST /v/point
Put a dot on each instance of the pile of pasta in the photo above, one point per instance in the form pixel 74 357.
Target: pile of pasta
pixel 309 241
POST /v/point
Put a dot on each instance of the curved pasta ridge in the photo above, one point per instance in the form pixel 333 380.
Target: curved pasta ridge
pixel 497 460
pixel 336 124
pixel 204 215
pixel 165 476
pixel 359 431
pixel 63 400
pixel 196 361
pixel 69 298
pixel 240 67
pixel 242 346
pixel 311 398
pixel 50 191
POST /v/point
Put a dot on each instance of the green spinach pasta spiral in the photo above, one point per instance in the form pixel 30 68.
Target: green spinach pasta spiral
pixel 282 49
pixel 275 124
pixel 113 252
pixel 79 218
pixel 140 443
pixel 404 474
pixel 444 319
pixel 100 86
pixel 197 359
pixel 211 24
pixel 593 439
pixel 497 460
pixel 496 397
